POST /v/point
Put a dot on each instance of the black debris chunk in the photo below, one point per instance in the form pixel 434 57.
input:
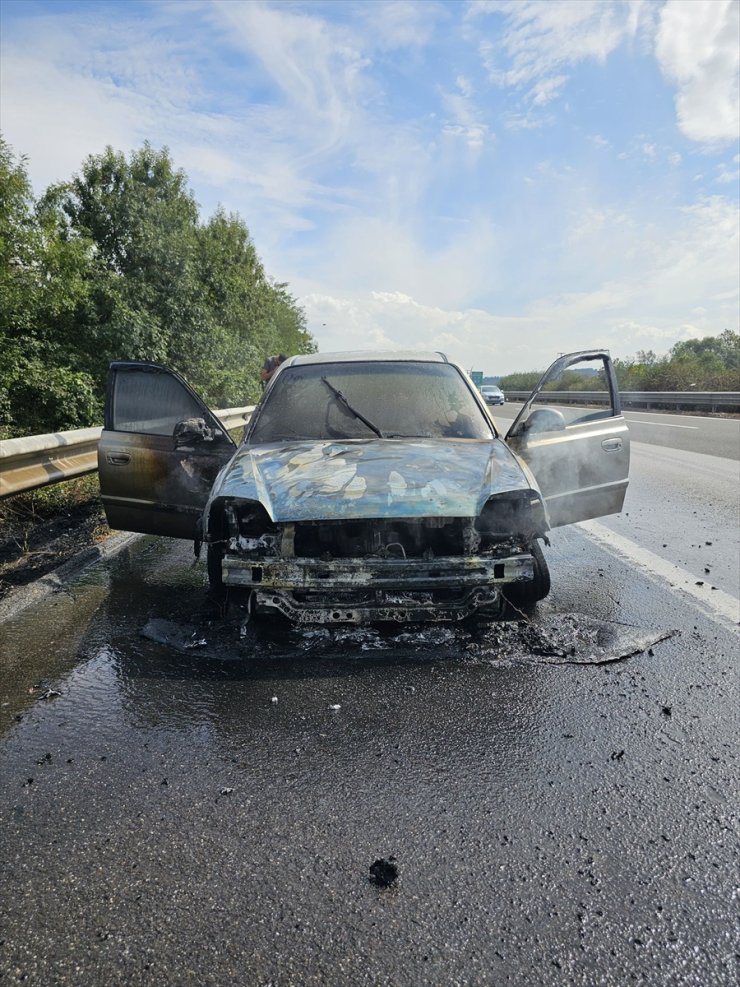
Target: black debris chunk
pixel 666 710
pixel 384 872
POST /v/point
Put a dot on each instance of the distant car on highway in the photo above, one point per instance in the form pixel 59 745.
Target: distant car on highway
pixel 367 486
pixel 492 394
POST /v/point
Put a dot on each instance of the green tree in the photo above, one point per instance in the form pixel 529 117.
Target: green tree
pixel 115 263
pixel 42 285
pixel 141 219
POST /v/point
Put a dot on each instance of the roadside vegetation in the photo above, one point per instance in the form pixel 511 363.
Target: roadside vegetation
pixel 42 528
pixel 116 263
pixel 708 364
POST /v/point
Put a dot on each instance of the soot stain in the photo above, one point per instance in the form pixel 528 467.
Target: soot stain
pixel 555 639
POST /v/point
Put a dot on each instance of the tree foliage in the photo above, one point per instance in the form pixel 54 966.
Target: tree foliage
pixel 708 364
pixel 116 264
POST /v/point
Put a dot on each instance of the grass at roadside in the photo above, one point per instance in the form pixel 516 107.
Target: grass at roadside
pixel 41 529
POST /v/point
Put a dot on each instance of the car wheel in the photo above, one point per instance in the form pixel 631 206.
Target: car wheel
pixel 524 594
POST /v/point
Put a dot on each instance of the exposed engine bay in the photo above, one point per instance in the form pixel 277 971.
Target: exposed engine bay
pixel 362 570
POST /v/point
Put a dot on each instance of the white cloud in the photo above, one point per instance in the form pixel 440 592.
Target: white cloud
pixel 400 23
pixel 546 90
pixel 647 287
pixel 697 49
pixel 464 120
pixel 464 85
pixel 695 43
pixel 318 67
pixel 541 41
pixel 662 274
pixel 728 176
pixel 76 84
pixel 660 337
pixel 369 252
pixel 395 321
pixel 594 221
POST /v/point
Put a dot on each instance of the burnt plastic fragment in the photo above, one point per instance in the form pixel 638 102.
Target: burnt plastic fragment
pixel 384 872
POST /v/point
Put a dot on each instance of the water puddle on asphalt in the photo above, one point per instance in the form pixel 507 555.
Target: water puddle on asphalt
pixel 143 627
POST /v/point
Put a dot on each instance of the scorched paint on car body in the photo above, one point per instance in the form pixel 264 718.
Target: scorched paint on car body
pixel 367 487
pixel 368 478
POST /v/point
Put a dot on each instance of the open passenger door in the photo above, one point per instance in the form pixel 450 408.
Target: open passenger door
pixel 578 454
pixel 159 452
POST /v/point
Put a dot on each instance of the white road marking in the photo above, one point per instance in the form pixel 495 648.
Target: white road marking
pixel 636 421
pixel 691 418
pixel 720 604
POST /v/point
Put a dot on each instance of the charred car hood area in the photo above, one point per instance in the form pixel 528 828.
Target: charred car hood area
pixel 372 478
pixel 358 531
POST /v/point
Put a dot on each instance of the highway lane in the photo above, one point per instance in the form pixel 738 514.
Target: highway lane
pixel 691 433
pixel 209 816
pixel 684 508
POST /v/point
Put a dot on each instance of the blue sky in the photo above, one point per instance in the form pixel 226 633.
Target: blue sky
pixel 501 180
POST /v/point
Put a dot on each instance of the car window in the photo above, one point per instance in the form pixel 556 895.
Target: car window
pixel 403 400
pixel 151 403
pixel 578 393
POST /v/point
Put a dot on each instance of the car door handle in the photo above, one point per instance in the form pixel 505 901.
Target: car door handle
pixel 118 459
pixel 611 445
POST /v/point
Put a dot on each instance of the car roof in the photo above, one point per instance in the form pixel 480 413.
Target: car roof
pixel 364 356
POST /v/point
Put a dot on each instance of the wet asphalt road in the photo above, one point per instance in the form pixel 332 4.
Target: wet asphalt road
pixel 165 821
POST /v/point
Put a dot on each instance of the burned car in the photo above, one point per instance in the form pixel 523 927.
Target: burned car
pixel 367 486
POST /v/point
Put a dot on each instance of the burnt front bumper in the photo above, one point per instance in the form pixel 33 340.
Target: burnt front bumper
pixel 376 589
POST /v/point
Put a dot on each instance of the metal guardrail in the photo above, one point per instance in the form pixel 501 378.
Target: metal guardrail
pixel 38 460
pixel 711 400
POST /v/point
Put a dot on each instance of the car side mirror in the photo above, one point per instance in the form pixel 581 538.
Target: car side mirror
pixel 192 431
pixel 545 420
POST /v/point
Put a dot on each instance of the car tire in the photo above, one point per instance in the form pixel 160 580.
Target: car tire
pixel 526 594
